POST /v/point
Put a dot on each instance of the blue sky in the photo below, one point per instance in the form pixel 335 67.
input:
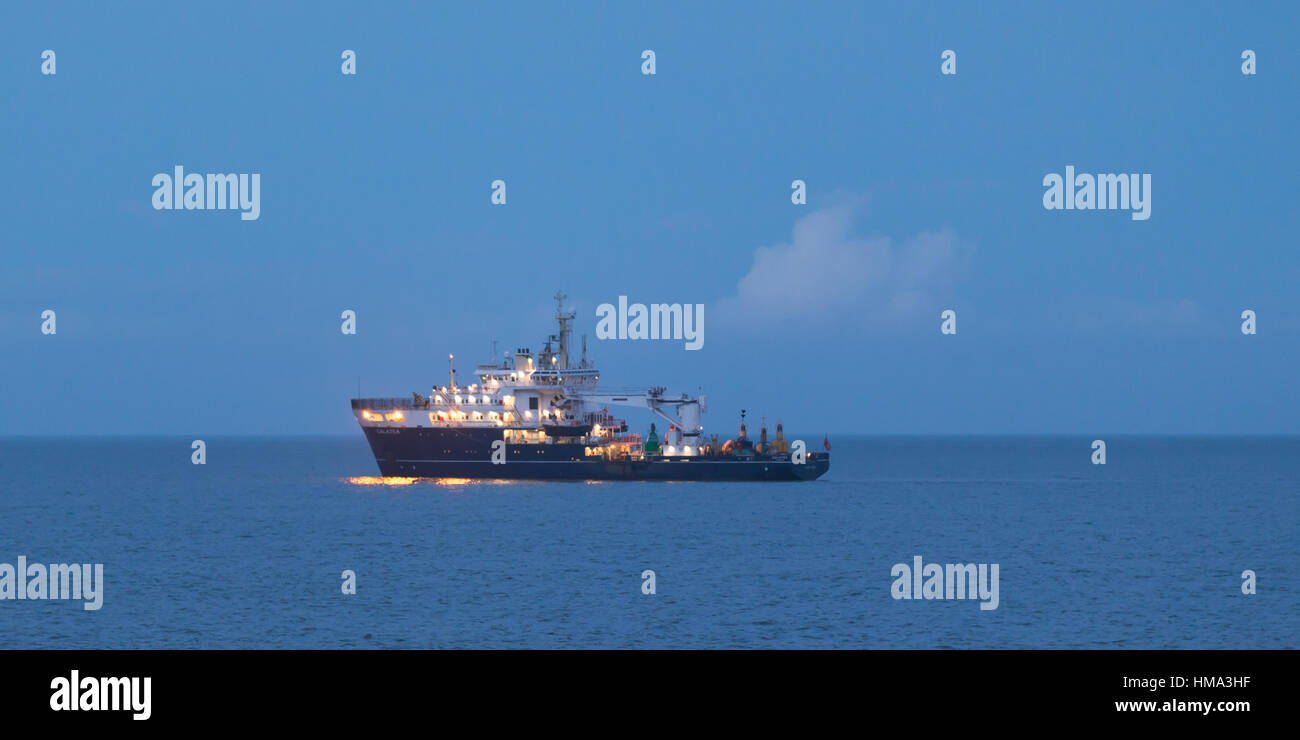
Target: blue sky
pixel 924 194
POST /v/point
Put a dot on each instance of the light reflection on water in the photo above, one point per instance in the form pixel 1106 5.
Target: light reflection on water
pixel 376 480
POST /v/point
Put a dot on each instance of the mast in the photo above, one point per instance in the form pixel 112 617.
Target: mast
pixel 563 318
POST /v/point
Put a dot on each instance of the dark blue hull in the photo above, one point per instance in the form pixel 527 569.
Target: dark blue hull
pixel 467 453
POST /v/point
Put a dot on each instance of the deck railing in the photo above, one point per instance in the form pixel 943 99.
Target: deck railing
pixel 387 404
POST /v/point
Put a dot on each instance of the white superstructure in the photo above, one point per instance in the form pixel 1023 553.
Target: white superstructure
pixel 539 397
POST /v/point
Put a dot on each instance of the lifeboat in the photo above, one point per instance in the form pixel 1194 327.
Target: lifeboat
pixel 566 428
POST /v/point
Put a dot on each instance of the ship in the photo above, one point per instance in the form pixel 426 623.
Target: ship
pixel 545 415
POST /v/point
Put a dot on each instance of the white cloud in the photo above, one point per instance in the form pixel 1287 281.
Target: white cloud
pixel 824 270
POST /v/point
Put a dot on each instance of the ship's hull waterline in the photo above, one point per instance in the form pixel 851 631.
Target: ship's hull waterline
pixel 467 453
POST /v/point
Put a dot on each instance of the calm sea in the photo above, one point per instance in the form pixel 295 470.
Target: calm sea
pixel 247 551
